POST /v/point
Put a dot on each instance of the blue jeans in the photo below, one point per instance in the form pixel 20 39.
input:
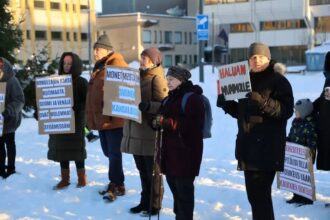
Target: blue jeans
pixel 110 143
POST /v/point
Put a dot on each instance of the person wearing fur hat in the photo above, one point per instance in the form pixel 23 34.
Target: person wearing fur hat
pixel 182 139
pixel 262 117
pixel 110 128
pixel 11 116
pixel 64 148
pixel 322 109
pixel 303 132
pixel 139 139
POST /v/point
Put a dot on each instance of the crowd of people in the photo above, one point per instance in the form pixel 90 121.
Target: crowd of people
pixel 169 141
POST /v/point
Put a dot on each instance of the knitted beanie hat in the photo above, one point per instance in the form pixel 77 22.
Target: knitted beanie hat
pixel 103 42
pixel 259 49
pixel 154 54
pixel 179 73
pixel 304 107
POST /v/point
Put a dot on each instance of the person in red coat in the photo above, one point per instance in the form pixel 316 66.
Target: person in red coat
pixel 182 139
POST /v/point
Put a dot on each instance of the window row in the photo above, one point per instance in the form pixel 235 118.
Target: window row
pixel 169 37
pixel 56 5
pixel 183 59
pixel 55 35
pixel 269 25
pixel 212 2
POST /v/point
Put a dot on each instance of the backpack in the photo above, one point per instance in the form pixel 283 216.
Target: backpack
pixel 208 119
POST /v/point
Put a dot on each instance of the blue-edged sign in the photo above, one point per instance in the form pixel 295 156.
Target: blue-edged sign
pixel 202 26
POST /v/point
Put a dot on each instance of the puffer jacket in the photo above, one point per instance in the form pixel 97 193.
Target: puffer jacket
pixel 139 139
pixel 260 142
pixel 94 103
pixel 182 145
pixel 66 147
pixel 14 99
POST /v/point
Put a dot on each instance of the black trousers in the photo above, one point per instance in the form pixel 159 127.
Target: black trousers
pixel 145 165
pixel 7 150
pixel 183 193
pixel 259 192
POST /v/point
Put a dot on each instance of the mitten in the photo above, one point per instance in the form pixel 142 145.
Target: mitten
pixel 260 100
pixel 221 101
pixel 144 106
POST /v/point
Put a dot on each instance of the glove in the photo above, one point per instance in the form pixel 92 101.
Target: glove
pixel 144 106
pixel 221 101
pixel 257 98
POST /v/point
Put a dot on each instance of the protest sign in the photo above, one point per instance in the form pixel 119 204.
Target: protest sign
pixel 298 176
pixel 54 96
pixel 2 104
pixel 234 80
pixel 122 93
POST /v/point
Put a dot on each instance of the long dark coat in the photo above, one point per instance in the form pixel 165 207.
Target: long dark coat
pixel 322 111
pixel 260 143
pixel 66 147
pixel 139 139
pixel 182 146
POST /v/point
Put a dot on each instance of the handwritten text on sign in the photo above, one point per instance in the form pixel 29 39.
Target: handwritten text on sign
pixel 234 80
pixel 298 176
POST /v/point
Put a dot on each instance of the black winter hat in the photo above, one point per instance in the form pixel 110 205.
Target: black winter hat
pixel 304 107
pixel 179 73
pixel 154 54
pixel 258 48
pixel 327 62
pixel 103 42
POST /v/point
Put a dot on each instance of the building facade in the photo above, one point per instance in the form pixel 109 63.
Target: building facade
pixel 131 33
pixel 289 27
pixel 58 25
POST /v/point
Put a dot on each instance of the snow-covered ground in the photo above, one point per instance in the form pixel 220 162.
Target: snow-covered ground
pixel 219 190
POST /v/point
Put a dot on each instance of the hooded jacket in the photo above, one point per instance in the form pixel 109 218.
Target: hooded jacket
pixel 66 147
pixel 94 103
pixel 261 138
pixel 14 98
pixel 139 139
pixel 182 145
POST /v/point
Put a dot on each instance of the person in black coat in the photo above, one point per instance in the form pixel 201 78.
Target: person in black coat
pixel 182 141
pixel 322 112
pixel 261 119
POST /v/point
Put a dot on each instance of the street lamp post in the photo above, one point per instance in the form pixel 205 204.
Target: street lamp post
pixel 201 49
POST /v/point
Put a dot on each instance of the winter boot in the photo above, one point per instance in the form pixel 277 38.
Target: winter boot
pixel 3 173
pixel 65 179
pixel 91 137
pixel 82 181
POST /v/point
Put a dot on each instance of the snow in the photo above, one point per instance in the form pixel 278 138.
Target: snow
pixel 219 189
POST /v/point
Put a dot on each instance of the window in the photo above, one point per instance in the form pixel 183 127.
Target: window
pixel 195 38
pixel 168 61
pixel 240 27
pixel 75 36
pixel 160 37
pixel 319 2
pixel 55 5
pixel 39 4
pixel 28 35
pixel 282 24
pixel 83 7
pixel 177 59
pixel 68 35
pixel 146 36
pixel 155 37
pixel 84 36
pixel 56 35
pixel 185 38
pixel 40 35
pixel 322 24
pixel 190 38
pixel 178 37
pixel 168 37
